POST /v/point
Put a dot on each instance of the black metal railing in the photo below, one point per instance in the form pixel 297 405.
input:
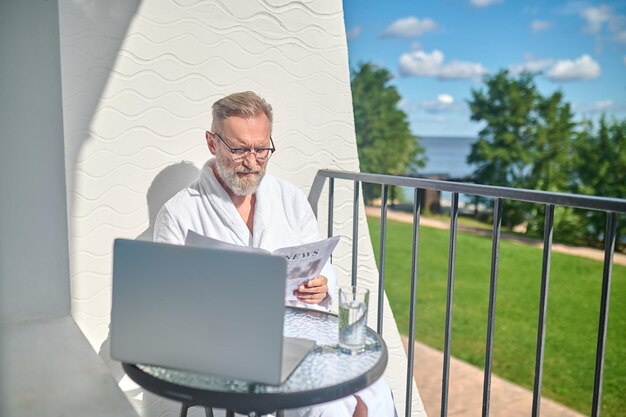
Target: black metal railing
pixel 611 206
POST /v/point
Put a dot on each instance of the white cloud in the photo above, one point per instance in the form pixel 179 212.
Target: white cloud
pixel 423 64
pixel 353 33
pixel 442 104
pixel 460 70
pixel 602 20
pixel 603 105
pixel 410 27
pixel 446 99
pixel 581 68
pixel 531 64
pixel 484 3
pixel 617 24
pixel 596 17
pixel 539 25
pixel 624 59
pixel 600 107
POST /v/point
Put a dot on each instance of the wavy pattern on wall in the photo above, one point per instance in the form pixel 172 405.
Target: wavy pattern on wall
pixel 139 78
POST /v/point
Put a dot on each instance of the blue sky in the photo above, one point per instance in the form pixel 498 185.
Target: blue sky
pixel 438 50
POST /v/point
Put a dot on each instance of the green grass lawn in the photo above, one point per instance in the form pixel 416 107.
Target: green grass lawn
pixel 572 321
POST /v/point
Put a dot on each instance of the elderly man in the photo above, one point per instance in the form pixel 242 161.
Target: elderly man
pixel 234 201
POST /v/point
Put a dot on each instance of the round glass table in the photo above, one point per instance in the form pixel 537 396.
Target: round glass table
pixel 326 374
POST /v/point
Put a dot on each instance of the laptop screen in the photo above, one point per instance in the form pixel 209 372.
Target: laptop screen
pixel 197 309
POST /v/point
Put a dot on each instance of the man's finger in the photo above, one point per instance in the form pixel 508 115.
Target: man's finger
pixel 310 299
pixel 318 281
pixel 313 290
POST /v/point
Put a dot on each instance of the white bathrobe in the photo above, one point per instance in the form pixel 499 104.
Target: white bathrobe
pixel 282 217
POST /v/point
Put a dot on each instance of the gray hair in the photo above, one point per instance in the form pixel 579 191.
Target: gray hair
pixel 245 104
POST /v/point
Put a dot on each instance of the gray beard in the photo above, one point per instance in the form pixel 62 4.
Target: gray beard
pixel 237 185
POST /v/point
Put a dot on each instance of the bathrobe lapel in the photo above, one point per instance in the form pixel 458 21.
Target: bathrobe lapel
pixel 220 207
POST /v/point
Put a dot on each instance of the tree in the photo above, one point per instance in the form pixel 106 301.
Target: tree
pixel 552 165
pixel 526 140
pixel 552 145
pixel 507 107
pixel 384 140
pixel 600 170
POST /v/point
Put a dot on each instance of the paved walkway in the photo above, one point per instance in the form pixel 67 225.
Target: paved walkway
pixel 465 390
pixel 590 253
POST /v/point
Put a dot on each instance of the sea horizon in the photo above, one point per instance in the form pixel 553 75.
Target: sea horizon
pixel 447 156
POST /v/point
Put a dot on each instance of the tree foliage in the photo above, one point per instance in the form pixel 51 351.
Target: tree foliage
pixel 551 145
pixel 384 139
pixel 525 142
pixel 601 171
pixel 531 141
pixel 508 109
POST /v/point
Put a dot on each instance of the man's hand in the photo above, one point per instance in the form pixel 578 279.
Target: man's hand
pixel 314 291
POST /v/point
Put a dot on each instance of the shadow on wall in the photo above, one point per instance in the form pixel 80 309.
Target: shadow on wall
pixel 92 33
pixel 168 182
pixel 165 185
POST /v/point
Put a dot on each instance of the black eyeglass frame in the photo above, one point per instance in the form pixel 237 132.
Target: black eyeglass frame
pixel 243 152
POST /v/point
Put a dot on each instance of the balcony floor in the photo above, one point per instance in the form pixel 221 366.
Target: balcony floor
pixel 466 390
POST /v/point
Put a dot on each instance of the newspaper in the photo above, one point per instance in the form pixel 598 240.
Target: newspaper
pixel 304 262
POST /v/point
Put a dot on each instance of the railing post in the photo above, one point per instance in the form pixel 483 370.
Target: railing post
pixel 543 307
pixel 417 204
pixel 491 315
pixel 381 257
pixel 609 250
pixel 316 190
pixel 355 231
pixel 454 215
pixel 331 205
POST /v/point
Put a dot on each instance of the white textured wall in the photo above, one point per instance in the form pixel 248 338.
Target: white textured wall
pixel 139 78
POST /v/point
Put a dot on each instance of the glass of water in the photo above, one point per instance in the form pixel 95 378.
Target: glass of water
pixel 353 303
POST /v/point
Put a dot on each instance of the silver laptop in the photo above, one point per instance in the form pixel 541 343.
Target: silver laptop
pixel 202 310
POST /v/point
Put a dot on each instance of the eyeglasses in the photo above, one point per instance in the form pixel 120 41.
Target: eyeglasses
pixel 239 154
